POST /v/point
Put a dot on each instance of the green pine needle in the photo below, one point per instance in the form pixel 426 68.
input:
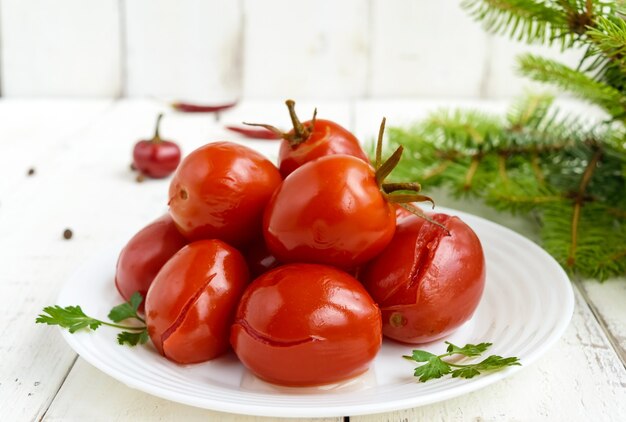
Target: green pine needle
pixel 566 172
pixel 532 162
pixel 523 20
pixel 577 83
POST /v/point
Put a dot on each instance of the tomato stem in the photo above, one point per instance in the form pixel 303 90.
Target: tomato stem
pixel 157 138
pixel 300 132
pixel 401 198
pixel 382 169
pixel 387 167
pixel 416 211
pixel 393 187
pixel 379 144
pixel 124 327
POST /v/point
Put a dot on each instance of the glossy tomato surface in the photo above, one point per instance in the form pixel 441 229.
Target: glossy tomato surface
pixel 329 211
pixel 144 255
pixel 426 282
pixel 192 301
pixel 326 138
pixel 306 324
pixel 220 190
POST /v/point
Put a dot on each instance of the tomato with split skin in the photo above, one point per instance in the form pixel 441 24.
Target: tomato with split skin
pixel 220 190
pixel 144 255
pixel 191 303
pixel 427 282
pixel 306 324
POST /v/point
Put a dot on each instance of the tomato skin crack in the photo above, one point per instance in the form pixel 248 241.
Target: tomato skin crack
pixel 184 310
pixel 272 342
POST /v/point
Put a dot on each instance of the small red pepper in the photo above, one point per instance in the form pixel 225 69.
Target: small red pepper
pixel 199 108
pixel 256 133
pixel 155 157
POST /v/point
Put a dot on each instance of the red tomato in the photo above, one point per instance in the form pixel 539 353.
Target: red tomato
pixel 144 255
pixel 329 211
pixel 192 301
pixel 156 157
pixel 306 324
pixel 314 139
pixel 426 282
pixel 219 192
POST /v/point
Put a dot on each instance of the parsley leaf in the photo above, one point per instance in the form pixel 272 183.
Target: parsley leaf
pixel 421 356
pixel 496 362
pixel 435 367
pixel 133 339
pixel 465 372
pixel 127 309
pixel 71 317
pixel 468 350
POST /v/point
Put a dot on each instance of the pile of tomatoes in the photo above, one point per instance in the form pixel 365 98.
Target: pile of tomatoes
pixel 336 254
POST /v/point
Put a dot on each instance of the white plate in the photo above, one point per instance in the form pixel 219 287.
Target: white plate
pixel 527 304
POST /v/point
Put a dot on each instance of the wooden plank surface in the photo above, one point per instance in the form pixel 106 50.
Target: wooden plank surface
pixel 60 48
pixel 312 49
pixel 213 51
pixel 502 79
pixel 35 257
pixel 425 48
pixel 607 301
pixel 114 401
pixel 83 182
pixel 185 50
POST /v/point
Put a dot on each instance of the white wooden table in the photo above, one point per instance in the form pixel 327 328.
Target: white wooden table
pixel 80 151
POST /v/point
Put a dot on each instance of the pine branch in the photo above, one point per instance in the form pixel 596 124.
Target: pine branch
pixel 579 84
pixel 609 38
pixel 535 160
pixel 525 20
pixel 606 55
pixel 570 174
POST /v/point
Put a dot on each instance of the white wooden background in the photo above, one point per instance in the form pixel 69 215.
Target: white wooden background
pixel 216 50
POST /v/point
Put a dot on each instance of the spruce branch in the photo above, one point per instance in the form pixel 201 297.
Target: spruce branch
pixel 608 38
pixel 579 84
pixel 525 20
pixel 567 172
pixel 535 160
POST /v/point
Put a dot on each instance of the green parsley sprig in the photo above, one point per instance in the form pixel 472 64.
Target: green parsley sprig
pixel 435 367
pixel 73 319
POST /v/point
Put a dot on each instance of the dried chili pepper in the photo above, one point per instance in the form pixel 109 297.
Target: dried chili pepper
pixel 200 108
pixel 256 133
